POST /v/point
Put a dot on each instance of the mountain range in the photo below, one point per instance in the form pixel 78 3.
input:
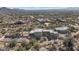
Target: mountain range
pixel 38 9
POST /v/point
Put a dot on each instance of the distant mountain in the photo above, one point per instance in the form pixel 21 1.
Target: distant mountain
pixel 45 8
pixel 39 9
pixel 9 10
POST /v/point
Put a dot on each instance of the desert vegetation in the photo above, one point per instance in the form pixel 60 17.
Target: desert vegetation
pixel 39 30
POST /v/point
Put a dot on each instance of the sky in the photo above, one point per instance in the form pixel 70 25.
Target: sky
pixel 39 3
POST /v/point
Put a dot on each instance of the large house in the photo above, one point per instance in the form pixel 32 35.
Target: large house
pixel 38 33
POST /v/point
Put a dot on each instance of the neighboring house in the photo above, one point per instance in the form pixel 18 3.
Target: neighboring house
pixel 62 30
pixel 43 20
pixel 19 22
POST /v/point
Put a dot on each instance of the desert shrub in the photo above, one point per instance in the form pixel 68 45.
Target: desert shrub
pixel 12 44
pixel 3 31
pixel 69 43
pixel 23 43
pixel 20 48
pixel 72 29
pixel 17 35
pixel 36 46
pixel 26 45
pixel 33 41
